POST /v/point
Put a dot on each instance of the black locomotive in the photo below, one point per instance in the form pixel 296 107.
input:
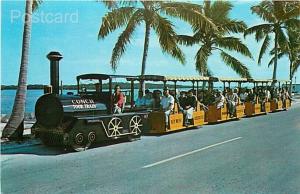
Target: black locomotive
pixel 79 120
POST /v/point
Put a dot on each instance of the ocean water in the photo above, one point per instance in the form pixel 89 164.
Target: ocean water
pixel 8 97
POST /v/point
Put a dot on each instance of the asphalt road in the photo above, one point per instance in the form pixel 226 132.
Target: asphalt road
pixel 253 155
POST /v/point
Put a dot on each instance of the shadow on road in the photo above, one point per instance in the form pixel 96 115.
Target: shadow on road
pixel 35 147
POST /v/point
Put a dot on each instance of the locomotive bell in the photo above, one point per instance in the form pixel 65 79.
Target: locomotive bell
pixel 54 58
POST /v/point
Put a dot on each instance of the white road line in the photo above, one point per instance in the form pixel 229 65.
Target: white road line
pixel 192 152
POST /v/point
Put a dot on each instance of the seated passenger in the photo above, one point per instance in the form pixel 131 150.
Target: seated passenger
pixel 275 95
pixel 167 103
pixel 243 95
pixel 156 99
pixel 118 100
pixel 267 95
pixel 182 100
pixel 148 98
pixel 251 97
pixel 285 96
pixel 219 99
pixel 140 101
pixel 189 107
pixel 232 101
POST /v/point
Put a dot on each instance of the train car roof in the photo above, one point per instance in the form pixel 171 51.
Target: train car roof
pixel 233 79
pixel 280 80
pixel 173 78
pixel 102 76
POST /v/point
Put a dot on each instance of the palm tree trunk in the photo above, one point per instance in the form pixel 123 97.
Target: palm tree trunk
pixel 291 79
pixel 145 54
pixel 275 60
pixel 14 127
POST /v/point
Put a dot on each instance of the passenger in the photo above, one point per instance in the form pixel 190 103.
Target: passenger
pixel 243 95
pixel 167 103
pixel 267 95
pixel 209 98
pixel 285 96
pixel 219 100
pixel 118 100
pixel 232 101
pixel 189 107
pixel 279 92
pixel 182 100
pixel 201 101
pixel 148 99
pixel 275 95
pixel 251 97
pixel 156 99
pixel 261 96
pixel 140 101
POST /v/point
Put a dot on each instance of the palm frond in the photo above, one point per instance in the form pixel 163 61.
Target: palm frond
pixel 166 36
pixel 188 12
pixel 36 4
pixel 278 10
pixel 295 67
pixel 264 48
pixel 124 38
pixel 110 4
pixel 236 65
pixel 115 19
pixel 292 23
pixel 279 56
pixel 233 44
pixel 293 12
pixel 264 10
pixel 260 30
pixel 206 8
pixel 201 59
pixel 178 54
pixel 282 39
pixel 234 26
pixel 220 11
pixel 186 40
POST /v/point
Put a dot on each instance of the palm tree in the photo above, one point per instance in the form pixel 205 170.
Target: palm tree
pixel 292 50
pixel 218 40
pixel 14 127
pixel 134 13
pixel 278 15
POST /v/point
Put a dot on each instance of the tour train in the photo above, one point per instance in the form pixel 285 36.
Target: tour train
pixel 79 120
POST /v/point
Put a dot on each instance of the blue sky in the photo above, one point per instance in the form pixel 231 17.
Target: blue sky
pixel 76 38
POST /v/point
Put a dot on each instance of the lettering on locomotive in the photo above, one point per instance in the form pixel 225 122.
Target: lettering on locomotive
pixel 83 104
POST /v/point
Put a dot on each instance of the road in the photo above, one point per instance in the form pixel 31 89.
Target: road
pixel 254 155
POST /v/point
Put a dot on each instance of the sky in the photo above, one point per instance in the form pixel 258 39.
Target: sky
pixel 71 27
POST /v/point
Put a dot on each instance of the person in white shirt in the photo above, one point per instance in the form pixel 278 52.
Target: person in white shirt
pixel 140 101
pixel 219 100
pixel 243 95
pixel 232 99
pixel 167 104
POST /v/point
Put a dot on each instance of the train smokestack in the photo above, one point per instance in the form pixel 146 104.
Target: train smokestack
pixel 54 58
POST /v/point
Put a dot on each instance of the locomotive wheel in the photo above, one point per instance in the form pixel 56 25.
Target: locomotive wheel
pixel 135 125
pixel 91 138
pixel 79 142
pixel 114 125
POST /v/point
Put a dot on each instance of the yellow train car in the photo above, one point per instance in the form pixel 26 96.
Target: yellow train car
pixel 157 119
pixel 215 115
pixel 284 102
